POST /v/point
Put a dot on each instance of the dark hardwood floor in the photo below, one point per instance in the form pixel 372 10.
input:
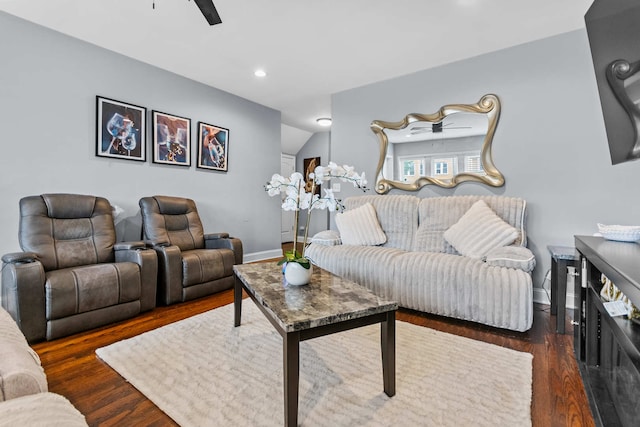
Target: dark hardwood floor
pixel 74 371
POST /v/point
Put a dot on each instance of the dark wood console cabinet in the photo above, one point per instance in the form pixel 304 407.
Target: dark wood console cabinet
pixel 608 348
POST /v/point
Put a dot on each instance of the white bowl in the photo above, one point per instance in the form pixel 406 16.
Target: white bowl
pixel 620 233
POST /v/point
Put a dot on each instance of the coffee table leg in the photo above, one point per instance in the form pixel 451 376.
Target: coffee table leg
pixel 291 356
pixel 388 344
pixel 237 301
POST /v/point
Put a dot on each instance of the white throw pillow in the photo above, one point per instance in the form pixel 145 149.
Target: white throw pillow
pixel 326 238
pixel 360 227
pixel 480 230
pixel 512 257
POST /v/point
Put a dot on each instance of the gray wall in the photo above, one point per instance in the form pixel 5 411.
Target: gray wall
pixel 48 88
pixel 317 146
pixel 550 143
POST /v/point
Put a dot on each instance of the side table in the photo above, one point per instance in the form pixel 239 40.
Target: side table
pixel 561 258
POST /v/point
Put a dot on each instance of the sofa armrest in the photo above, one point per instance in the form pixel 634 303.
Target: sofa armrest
pixel 223 241
pixel 514 256
pixel 137 252
pixel 23 297
pixel 326 238
pixel 21 373
pixel 41 409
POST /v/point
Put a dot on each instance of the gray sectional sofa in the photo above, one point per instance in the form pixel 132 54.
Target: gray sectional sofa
pixel 420 269
pixel 24 396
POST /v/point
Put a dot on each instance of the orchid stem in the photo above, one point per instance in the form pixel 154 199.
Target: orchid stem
pixel 306 228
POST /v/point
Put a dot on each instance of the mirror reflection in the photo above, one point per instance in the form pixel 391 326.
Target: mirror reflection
pixel 444 148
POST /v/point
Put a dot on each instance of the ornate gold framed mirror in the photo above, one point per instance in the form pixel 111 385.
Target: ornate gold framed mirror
pixel 445 148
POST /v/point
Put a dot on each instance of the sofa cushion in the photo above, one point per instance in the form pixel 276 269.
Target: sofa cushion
pixel 360 227
pixel 480 230
pixel 326 238
pixel 512 257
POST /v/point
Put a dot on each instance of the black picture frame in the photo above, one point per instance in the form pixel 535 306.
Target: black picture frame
pixel 171 139
pixel 213 147
pixel 121 130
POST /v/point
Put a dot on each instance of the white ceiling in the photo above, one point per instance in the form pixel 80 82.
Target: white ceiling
pixel 310 49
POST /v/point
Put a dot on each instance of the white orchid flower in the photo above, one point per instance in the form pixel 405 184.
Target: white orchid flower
pixel 319 175
pixel 305 200
pixel 296 178
pixel 289 204
pixel 276 185
pixel 292 191
pixel 297 199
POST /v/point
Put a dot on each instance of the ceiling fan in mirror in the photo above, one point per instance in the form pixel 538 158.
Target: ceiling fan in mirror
pixel 208 10
pixel 437 127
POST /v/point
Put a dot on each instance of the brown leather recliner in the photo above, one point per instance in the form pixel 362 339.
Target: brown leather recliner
pixel 191 264
pixel 72 275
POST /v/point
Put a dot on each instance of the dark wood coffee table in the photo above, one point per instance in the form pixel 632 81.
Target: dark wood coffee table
pixel 327 305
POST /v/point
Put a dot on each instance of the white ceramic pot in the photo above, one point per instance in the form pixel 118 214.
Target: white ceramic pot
pixel 297 275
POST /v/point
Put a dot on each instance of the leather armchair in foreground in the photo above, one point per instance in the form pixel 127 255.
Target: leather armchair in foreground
pixel 72 275
pixel 191 264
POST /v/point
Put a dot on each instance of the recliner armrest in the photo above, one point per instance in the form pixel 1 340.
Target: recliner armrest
pixel 169 273
pixel 147 259
pixel 129 245
pixel 157 243
pixel 19 257
pixel 232 243
pixel 215 236
pixel 23 296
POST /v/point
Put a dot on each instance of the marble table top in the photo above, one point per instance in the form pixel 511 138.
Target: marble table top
pixel 563 252
pixel 327 299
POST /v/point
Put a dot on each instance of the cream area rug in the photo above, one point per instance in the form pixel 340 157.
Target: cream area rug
pixel 202 371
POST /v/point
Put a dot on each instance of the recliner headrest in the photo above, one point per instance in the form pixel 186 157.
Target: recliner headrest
pixel 66 206
pixel 174 205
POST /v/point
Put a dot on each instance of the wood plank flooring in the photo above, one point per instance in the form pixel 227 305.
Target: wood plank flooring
pixel 106 399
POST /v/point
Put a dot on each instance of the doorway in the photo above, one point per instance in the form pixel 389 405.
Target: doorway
pixel 287 167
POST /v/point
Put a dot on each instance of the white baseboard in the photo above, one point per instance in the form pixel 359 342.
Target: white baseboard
pixel 540 296
pixel 260 256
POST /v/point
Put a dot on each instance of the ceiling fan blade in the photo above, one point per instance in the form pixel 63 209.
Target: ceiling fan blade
pixel 209 11
pixel 416 131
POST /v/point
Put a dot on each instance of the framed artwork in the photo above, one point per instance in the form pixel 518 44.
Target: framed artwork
pixel 213 147
pixel 171 139
pixel 309 166
pixel 121 130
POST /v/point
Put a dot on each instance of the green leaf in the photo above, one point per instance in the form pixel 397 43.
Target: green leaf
pixel 304 262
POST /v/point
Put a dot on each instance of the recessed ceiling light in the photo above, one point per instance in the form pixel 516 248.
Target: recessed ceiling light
pixel 324 121
pixel 260 73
